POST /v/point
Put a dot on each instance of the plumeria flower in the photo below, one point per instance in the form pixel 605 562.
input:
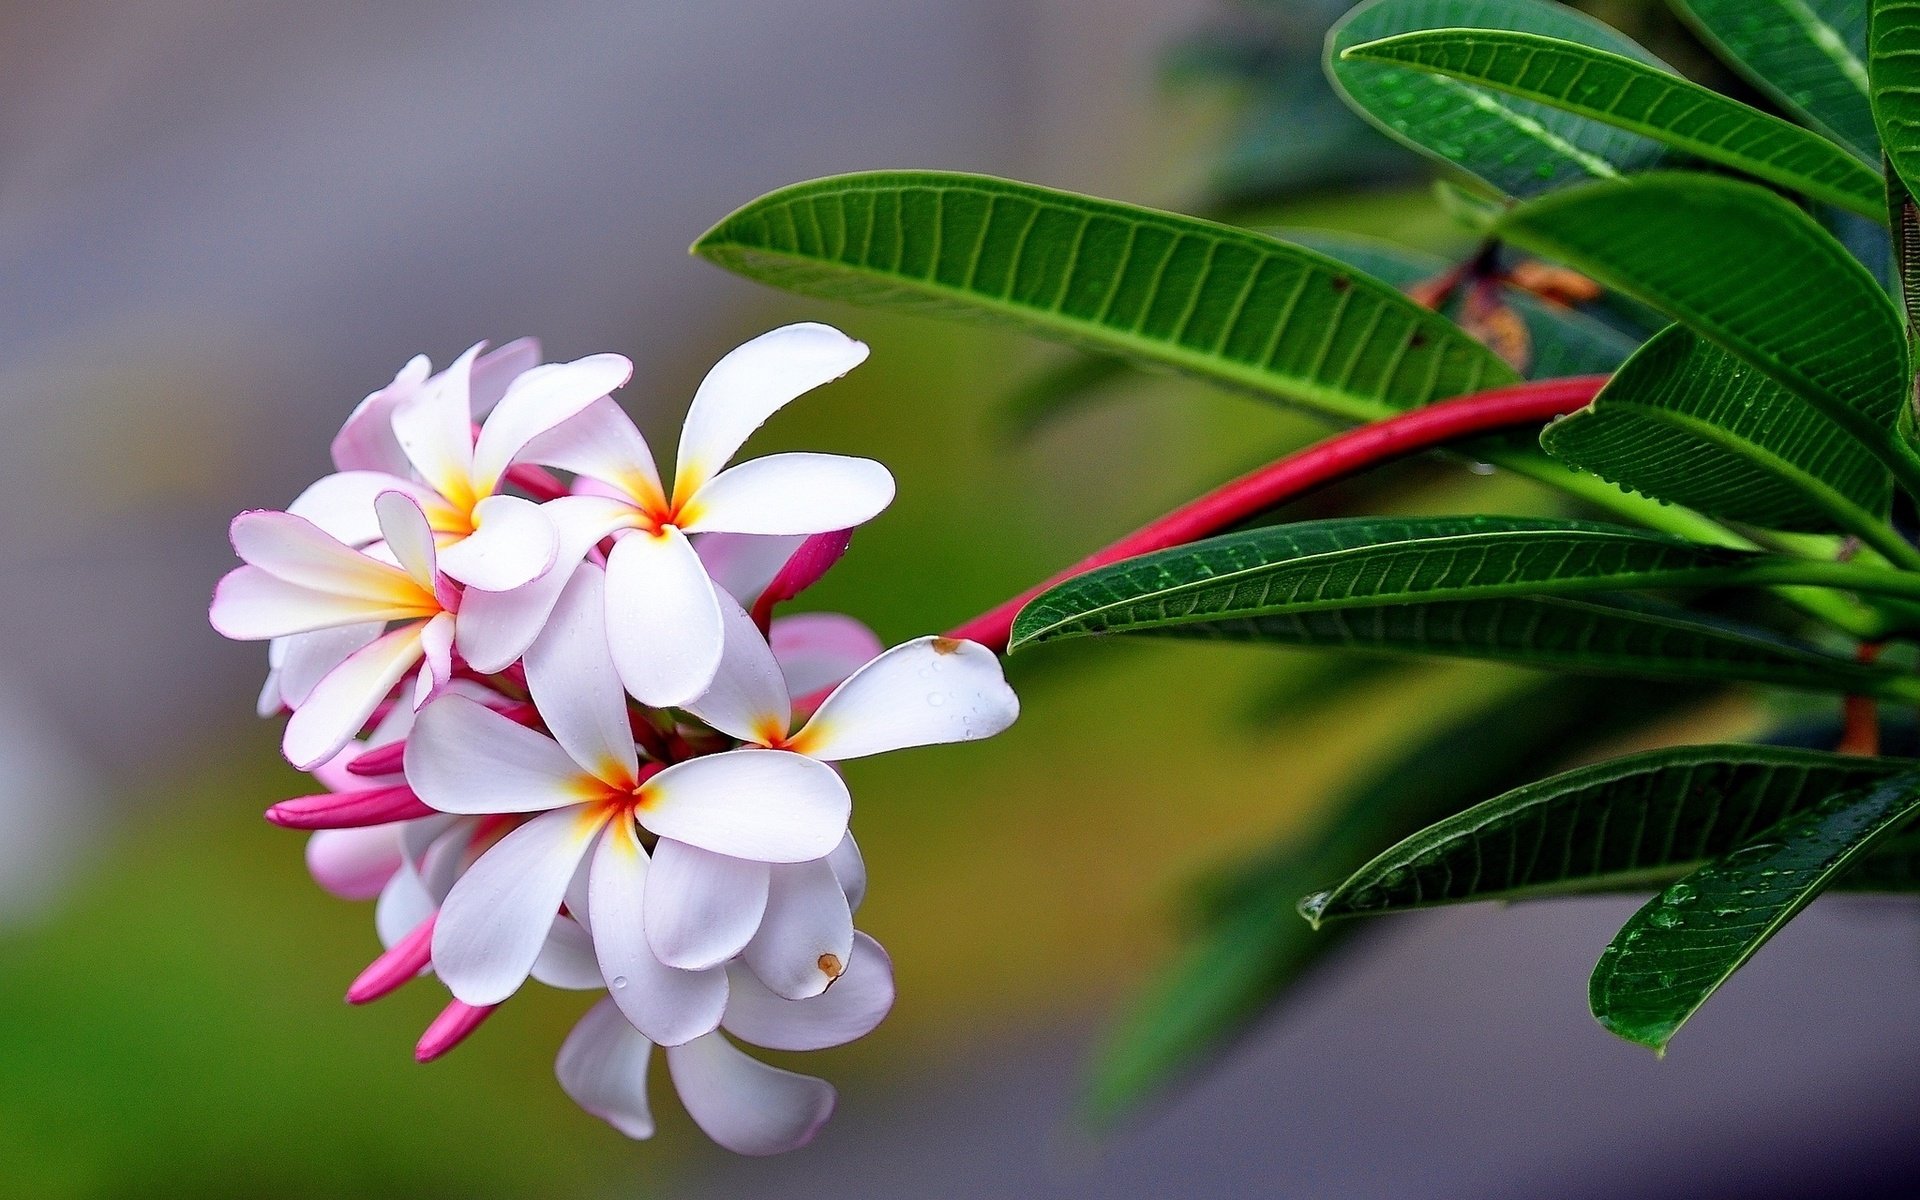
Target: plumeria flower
pixel 664 614
pixel 417 437
pixel 922 693
pixel 595 803
pixel 300 581
pixel 738 1101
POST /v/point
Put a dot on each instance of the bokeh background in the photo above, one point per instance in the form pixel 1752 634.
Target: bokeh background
pixel 223 222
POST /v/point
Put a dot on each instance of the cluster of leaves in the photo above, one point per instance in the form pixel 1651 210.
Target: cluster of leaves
pixel 1758 442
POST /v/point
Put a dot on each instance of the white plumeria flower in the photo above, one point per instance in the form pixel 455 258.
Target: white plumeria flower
pixel 665 619
pixel 738 1101
pixel 417 437
pixel 300 581
pixel 592 794
pixel 921 693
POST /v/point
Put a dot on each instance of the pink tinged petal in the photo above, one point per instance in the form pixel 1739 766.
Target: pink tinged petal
pixel 792 493
pixel 454 1025
pixel 920 693
pixel 744 1104
pixel 435 429
pixel 851 1009
pixel 572 681
pixel 806 937
pixel 820 650
pixel 567 961
pixel 810 562
pixel 670 1006
pixel 497 627
pixel 512 544
pixel 536 402
pixel 311 657
pixel 495 370
pixel 366 441
pixel 296 551
pixel 409 538
pixel 353 864
pixel 386 760
pixel 603 1068
pixel 601 444
pixel 764 805
pixel 499 913
pixel 341 703
pixel 341 505
pixel 463 757
pixel 748 695
pixel 741 564
pixel 749 385
pixel 663 618
pixel 701 908
pixel 851 870
pixel 402 961
pixel 436 659
pixel 349 810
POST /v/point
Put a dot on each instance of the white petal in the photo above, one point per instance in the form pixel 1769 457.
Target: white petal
pixel 751 384
pixel 701 908
pixel 663 618
pixel 495 370
pixel 748 695
pixel 436 659
pixel 571 680
pixel 538 400
pixel 820 650
pixel 435 428
pixel 742 564
pixel 403 904
pixel 765 805
pixel 566 960
pixel 310 657
pixel 920 693
pixel 602 445
pixel 851 870
pixel 249 605
pixel 354 864
pixel 463 757
pixel 341 505
pixel 297 551
pixel 409 538
pixel 792 493
pixel 366 441
pixel 668 1005
pixel 850 1009
pixel 806 937
pixel 341 703
pixel 499 913
pixel 603 1067
pixel 497 627
pixel 744 1104
pixel 512 544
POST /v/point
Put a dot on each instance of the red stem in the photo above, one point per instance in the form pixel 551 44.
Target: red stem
pixel 1318 465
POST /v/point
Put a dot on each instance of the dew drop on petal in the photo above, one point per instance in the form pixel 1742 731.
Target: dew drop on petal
pixel 619 981
pixel 936 699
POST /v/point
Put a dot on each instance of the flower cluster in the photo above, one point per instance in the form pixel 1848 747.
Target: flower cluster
pixel 562 734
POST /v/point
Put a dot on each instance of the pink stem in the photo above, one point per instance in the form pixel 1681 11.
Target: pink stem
pixel 402 961
pixel 455 1022
pixel 349 810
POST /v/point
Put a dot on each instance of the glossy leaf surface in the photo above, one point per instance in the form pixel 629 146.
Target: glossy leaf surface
pixel 1809 55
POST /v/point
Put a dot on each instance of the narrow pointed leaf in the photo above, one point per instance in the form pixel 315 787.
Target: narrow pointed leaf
pixel 1225 304
pixel 1748 271
pixel 1686 422
pixel 1893 68
pixel 1515 145
pixel 1809 55
pixel 1635 821
pixel 1677 951
pixel 1632 95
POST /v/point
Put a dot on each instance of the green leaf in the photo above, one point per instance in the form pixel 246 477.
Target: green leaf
pixel 1594 637
pixel 1225 304
pixel 1643 99
pixel 1677 951
pixel 1517 146
pixel 1892 865
pixel 1809 55
pixel 1893 68
pixel 1748 271
pixel 1620 824
pixel 1353 562
pixel 1685 421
